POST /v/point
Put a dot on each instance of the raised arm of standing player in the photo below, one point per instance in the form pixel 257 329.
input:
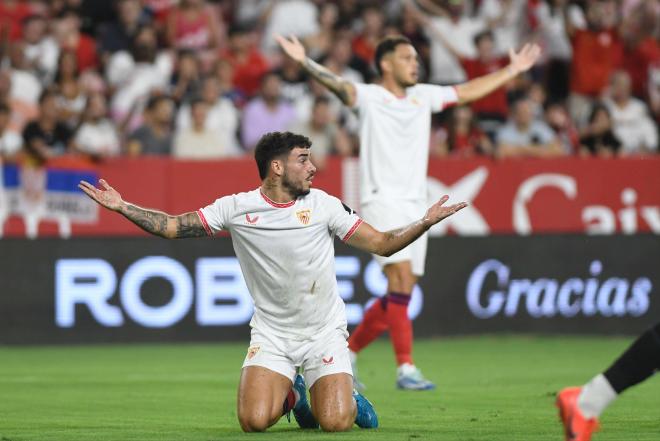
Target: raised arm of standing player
pixel 152 221
pixel 344 89
pixel 367 238
pixel 519 62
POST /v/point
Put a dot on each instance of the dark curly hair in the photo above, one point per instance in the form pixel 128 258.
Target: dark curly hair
pixel 275 145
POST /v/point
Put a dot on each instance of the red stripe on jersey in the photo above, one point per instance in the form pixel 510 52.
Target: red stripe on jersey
pixel 206 224
pixel 276 204
pixel 352 230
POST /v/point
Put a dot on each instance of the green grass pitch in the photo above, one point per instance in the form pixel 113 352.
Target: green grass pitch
pixel 490 388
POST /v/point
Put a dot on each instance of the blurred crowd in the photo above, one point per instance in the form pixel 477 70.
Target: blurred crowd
pixel 200 79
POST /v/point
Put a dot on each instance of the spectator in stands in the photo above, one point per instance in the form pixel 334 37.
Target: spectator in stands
pixel 597 138
pixel 25 88
pixel 221 116
pixel 597 51
pixel 507 19
pixel 631 122
pixel 12 14
pixel 118 35
pixel 294 79
pixel 461 137
pixel 557 117
pixel 10 141
pixel 200 142
pixel 451 25
pixel 224 72
pixel 47 137
pixel 41 49
pixel 97 135
pixel 266 113
pixel 186 77
pixel 326 136
pixel 319 44
pixel 339 58
pixel 641 42
pixel 154 137
pixel 288 17
pixel 364 44
pixel 136 75
pixel 248 62
pixel 71 102
pixel 67 31
pixel 194 25
pixel 550 17
pixel 523 136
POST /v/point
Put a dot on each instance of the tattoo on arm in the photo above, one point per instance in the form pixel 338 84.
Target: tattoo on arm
pixel 189 225
pixel 396 240
pixel 151 221
pixel 335 83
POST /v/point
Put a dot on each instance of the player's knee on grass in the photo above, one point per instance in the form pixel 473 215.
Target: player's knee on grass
pixel 338 421
pixel 257 419
pixel 254 422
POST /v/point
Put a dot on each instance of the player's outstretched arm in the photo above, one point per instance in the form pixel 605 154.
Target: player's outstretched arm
pixel 344 89
pixel 152 221
pixel 367 238
pixel 518 62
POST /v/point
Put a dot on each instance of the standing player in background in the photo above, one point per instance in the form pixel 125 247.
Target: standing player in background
pixel 395 128
pixel 283 235
pixel 580 407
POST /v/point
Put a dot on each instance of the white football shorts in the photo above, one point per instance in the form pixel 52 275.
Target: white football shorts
pixel 391 214
pixel 318 356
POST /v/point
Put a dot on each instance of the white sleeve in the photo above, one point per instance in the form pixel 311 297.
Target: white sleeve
pixel 363 94
pixel 438 97
pixel 217 215
pixel 343 221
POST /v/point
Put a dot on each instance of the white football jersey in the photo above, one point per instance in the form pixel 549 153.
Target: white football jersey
pixel 286 253
pixel 395 135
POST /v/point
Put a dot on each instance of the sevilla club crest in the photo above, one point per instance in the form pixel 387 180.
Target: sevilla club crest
pixel 304 216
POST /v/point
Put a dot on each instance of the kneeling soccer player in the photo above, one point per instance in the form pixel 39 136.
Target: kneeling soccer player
pixel 282 233
pixel 580 407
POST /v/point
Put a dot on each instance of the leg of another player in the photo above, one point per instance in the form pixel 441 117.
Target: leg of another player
pixel 261 394
pixel 400 284
pixel 580 407
pixel 333 404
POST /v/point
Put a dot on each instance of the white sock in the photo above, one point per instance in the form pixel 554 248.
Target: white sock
pixel 405 369
pixel 596 395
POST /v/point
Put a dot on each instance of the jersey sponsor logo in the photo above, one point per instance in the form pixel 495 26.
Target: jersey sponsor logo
pixel 328 361
pixel 304 216
pixel 252 351
pixel 251 220
pixel 415 101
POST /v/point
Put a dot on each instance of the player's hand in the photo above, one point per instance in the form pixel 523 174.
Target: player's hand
pixel 438 211
pixel 525 59
pixel 107 197
pixel 292 47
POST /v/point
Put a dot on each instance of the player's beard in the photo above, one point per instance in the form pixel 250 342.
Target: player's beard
pixel 296 189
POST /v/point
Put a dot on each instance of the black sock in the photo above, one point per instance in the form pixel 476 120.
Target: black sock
pixel 639 362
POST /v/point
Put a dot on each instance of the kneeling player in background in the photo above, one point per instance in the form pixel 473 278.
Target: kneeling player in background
pixel 283 235
pixel 580 407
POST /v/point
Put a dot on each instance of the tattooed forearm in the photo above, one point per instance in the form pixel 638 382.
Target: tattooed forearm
pixel 396 240
pixel 336 84
pixel 189 225
pixel 151 221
